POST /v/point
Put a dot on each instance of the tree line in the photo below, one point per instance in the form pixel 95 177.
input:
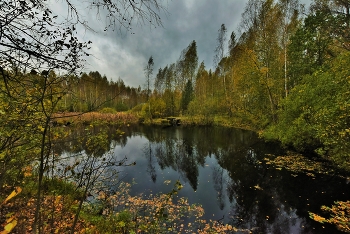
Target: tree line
pixel 93 92
pixel 285 75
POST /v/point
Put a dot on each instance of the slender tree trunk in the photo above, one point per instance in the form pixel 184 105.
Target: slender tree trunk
pixel 37 218
pixel 87 186
pixel 285 71
pixel 272 103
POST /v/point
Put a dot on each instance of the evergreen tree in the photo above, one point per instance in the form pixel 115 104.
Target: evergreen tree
pixel 187 65
pixel 187 95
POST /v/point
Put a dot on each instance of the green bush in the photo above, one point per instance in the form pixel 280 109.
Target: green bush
pixel 316 114
pixel 121 107
pixel 108 110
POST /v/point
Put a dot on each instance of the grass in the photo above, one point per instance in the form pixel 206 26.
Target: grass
pixel 95 117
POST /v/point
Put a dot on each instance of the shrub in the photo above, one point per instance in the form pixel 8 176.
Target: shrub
pixel 108 110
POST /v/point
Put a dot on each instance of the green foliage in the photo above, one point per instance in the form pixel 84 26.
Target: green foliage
pixel 316 113
pixel 137 109
pixel 97 144
pixel 187 95
pixel 293 127
pixel 23 114
pixel 108 110
pixel 203 112
pixel 119 223
pixel 187 65
pixel 157 107
pixel 145 111
pixel 310 47
pixel 171 103
pixel 121 107
pixel 57 186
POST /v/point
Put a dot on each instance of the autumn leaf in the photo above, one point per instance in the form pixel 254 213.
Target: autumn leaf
pixel 13 194
pixel 9 226
pixel 167 182
pixel 317 217
pixel 2 155
pixel 27 171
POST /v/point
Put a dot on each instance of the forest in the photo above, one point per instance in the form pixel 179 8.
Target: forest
pixel 284 74
pixel 288 80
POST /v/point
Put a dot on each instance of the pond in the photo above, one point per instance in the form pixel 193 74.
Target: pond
pixel 222 169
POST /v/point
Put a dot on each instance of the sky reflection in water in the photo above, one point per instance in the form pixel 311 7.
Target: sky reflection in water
pixel 221 169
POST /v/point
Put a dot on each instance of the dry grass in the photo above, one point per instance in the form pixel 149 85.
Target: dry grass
pixel 95 117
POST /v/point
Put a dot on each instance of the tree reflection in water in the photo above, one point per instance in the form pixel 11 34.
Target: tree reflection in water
pixel 151 169
pixel 224 172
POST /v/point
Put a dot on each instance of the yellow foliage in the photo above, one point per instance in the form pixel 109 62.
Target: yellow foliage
pixel 10 224
pixel 339 215
pixel 13 194
pixel 9 227
pixel 2 155
pixel 298 163
pixel 264 70
pixel 27 171
pixel 317 218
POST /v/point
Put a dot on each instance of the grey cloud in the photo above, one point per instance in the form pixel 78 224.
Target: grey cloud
pixel 124 54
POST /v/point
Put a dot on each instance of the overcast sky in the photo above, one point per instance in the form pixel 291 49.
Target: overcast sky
pixel 124 54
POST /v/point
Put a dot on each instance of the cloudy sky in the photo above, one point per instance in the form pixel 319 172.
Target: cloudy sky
pixel 121 54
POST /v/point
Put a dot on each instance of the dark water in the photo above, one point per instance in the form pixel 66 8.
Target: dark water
pixel 222 170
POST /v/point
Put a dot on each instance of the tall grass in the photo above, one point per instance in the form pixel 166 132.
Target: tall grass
pixel 94 117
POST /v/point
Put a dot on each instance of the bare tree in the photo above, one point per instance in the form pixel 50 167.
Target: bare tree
pixel 219 50
pixel 148 73
pixel 290 10
pixel 32 37
pixel 219 54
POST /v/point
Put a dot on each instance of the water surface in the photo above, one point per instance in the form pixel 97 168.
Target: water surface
pixel 222 169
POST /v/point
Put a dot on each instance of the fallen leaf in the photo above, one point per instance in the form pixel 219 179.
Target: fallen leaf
pixel 9 227
pixel 13 194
